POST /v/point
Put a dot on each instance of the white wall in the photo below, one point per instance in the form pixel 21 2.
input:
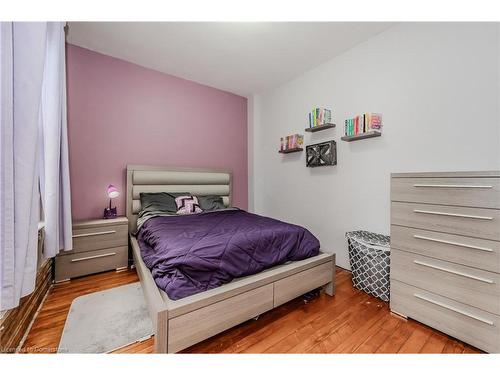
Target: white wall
pixel 437 86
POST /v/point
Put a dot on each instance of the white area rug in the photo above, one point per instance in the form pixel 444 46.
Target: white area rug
pixel 105 321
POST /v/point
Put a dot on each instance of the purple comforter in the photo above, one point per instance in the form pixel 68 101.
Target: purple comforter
pixel 193 253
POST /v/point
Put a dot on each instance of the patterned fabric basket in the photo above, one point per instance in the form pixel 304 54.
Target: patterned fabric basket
pixel 369 255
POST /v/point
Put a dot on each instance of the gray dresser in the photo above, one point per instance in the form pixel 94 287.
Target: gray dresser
pixel 98 245
pixel 445 253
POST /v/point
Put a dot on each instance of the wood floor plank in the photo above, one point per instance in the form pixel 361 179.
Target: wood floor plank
pixel 351 321
pixel 434 344
pixel 453 346
pixel 469 350
pixel 397 339
pixel 373 342
pixel 334 327
pixel 363 332
pixel 416 340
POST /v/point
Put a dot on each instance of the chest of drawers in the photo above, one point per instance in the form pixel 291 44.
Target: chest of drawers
pixel 445 253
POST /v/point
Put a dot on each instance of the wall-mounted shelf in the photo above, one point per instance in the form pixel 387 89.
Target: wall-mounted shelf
pixel 319 127
pixel 357 137
pixel 290 150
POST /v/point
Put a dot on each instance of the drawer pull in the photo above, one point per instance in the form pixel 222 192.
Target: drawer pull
pixel 453 243
pixel 455 186
pixel 93 257
pixel 451 214
pixel 488 281
pixel 94 234
pixel 465 313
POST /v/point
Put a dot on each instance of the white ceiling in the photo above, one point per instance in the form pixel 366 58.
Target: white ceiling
pixel 243 58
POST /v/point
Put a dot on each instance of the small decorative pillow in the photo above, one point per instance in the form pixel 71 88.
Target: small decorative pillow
pixel 187 204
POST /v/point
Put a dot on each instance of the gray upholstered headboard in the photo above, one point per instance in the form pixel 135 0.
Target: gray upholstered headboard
pixel 153 179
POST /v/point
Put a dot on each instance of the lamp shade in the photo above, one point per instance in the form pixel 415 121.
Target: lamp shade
pixel 113 192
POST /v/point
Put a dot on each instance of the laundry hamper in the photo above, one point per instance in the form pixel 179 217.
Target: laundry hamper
pixel 369 256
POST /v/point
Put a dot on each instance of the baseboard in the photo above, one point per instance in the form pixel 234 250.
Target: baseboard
pixel 398 315
pixel 343 269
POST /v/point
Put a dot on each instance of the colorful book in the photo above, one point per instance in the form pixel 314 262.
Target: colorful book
pixel 363 123
pixel 290 142
pixel 376 121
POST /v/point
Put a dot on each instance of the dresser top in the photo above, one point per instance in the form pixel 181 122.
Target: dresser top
pixel 121 220
pixel 447 174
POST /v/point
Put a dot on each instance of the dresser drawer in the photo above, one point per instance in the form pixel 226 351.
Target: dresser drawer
pixel 473 222
pixel 79 264
pixel 468 285
pixel 198 325
pixel 101 237
pixel 464 322
pixel 293 286
pixel 469 251
pixel 472 192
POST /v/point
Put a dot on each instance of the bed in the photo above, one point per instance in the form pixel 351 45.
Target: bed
pixel 184 322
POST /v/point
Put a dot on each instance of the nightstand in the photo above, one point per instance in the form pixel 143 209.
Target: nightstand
pixel 98 245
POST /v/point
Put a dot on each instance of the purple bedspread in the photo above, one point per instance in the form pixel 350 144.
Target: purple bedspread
pixel 193 253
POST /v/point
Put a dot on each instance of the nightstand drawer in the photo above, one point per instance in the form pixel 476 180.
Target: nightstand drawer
pixel 85 263
pixel 99 237
pixel 459 191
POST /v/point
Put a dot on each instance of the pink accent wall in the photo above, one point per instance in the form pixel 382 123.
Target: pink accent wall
pixel 120 113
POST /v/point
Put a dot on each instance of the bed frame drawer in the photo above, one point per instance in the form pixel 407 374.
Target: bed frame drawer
pixel 469 251
pixel 464 322
pixel 468 285
pixel 293 286
pixel 458 191
pixel 96 238
pixel 474 222
pixel 79 264
pixel 188 329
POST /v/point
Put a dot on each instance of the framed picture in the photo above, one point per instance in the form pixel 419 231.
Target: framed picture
pixel 321 154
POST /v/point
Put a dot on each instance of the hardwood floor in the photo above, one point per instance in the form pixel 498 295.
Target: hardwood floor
pixel 350 322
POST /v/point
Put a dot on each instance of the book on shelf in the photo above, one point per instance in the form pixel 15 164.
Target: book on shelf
pixel 319 116
pixel 376 121
pixel 363 123
pixel 291 142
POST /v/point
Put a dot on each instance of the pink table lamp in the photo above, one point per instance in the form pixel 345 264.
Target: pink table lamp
pixel 110 212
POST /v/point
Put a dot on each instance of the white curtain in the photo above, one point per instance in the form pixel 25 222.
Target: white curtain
pixel 54 167
pixel 30 116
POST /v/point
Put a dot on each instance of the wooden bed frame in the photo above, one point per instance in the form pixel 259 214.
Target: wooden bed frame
pixel 185 322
